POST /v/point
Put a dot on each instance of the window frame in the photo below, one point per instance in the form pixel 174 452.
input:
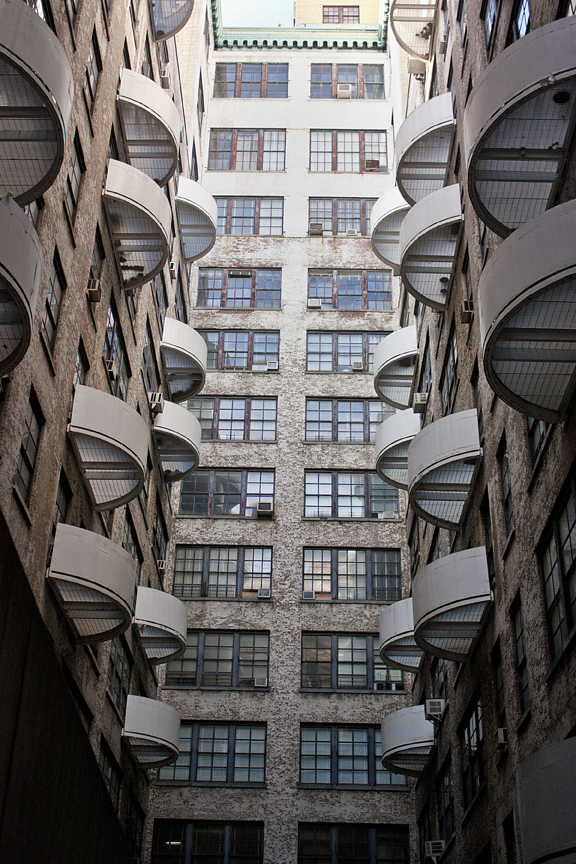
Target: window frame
pixel 231 154
pixel 335 218
pixel 93 71
pixel 235 92
pixel 53 303
pixel 371 483
pixel 247 420
pixel 338 149
pixel 334 296
pixel 378 677
pixel 341 13
pixel 554 553
pixel 194 589
pixel 256 220
pixel 225 274
pixel 449 378
pixel 114 348
pixel 354 838
pixel 191 757
pixel 250 350
pixel 472 750
pixel 520 660
pixel 243 494
pixel 29 445
pixel 332 74
pixel 336 350
pixel 392 593
pixel 179 674
pixel 120 665
pixel 368 434
pixel 74 177
pixel 186 830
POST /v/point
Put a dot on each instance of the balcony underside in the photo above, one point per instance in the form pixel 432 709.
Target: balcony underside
pixel 407 741
pixel 397 646
pixel 387 216
pixel 423 147
pixel 197 219
pixel 413 25
pixel 395 361
pixel 393 438
pixel 184 357
pixel 169 16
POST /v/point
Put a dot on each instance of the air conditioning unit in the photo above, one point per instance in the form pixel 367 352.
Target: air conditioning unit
pixel 239 274
pixel 264 509
pixel 94 291
pixel 466 311
pixel 416 67
pixel 419 403
pixel 501 737
pixel 165 80
pixel 352 232
pixel 259 367
pixel 433 848
pixel 161 564
pixel 315 229
pixel 314 303
pixel 308 595
pixel 344 91
pixel 110 369
pixel 272 366
pixel 443 45
pixel 173 270
pixel 264 593
pixel 260 682
pixel 372 165
pixel 156 403
pixel 434 709
pixel 357 366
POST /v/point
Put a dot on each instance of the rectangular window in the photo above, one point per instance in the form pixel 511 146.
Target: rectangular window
pixel 520 23
pixel 219 754
pixel 348 495
pixel 520 650
pixel 344 420
pixel 341 352
pixel 537 434
pixel 216 492
pixel 76 169
pixel 264 216
pixel 439 678
pixel 119 672
pixel 247 150
pixel 93 70
pixel 130 541
pixel 342 844
pixel 111 773
pixel 353 574
pixel 557 562
pixel 366 82
pixel 242 350
pixel 33 423
pixel 200 105
pixel 336 661
pixel 351 289
pixel 498 675
pixel 449 379
pixel 115 356
pixel 344 756
pixel 159 534
pixel 53 302
pixel 147 69
pixel 223 659
pixel 239 289
pixel 506 488
pixel 160 298
pixel 195 842
pixel 348 151
pixel 150 371
pixel 251 81
pixel 221 571
pixel 414 546
pixel 445 796
pixel 489 14
pixel 235 419
pixel 340 14
pixel 180 302
pixel 345 216
pixel 472 744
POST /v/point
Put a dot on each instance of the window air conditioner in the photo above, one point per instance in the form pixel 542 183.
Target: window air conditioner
pixel 94 291
pixel 165 80
pixel 315 229
pixel 110 369
pixel 501 737
pixel 272 366
pixel 264 593
pixel 161 564
pixel 433 848
pixel 434 709
pixel 260 682
pixel 314 303
pixel 466 311
pixel 264 509
pixel 239 274
pixel 259 367
pixel 173 270
pixel 443 45
pixel 308 595
pixel 352 232
pixel 372 165
pixel 344 91
pixel 419 403
pixel 156 403
pixel 357 366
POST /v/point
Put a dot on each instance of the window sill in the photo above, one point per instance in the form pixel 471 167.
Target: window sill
pixel 225 599
pixel 238 441
pixel 209 785
pixel 342 443
pixel 335 600
pixel 350 519
pixel 244 309
pixel 23 506
pixel 337 372
pixel 225 516
pixel 206 689
pixel 329 691
pixel 348 787
pixel 556 665
pixel 254 371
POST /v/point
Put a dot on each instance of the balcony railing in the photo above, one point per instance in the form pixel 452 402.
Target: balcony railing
pixel 407 740
pixel 184 357
pixel 387 216
pixel 393 438
pixel 423 145
pixel 413 24
pixel 152 731
pixel 397 645
pixel 394 366
pixel 169 16
pixel 161 621
pixel 197 219
pixel 177 433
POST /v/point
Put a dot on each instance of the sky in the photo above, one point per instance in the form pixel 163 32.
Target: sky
pixel 257 13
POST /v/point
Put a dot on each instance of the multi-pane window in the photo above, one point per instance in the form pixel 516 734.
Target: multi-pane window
pixel 75 170
pixel 499 686
pixel 335 661
pixel 119 671
pixel 366 82
pixel 472 736
pixel 348 495
pixel 349 421
pixel 200 104
pixel 348 151
pixel 559 571
pixel 56 285
pixel 135 827
pixel 221 571
pixel 537 432
pixel 177 842
pixel 222 659
pixel 33 423
pixel 445 796
pixel 263 216
pixel 439 678
pixel 216 492
pixel 247 150
pixel 351 289
pixel 114 354
pixel 241 350
pixel 414 547
pixel 130 540
pixel 342 215
pixel 520 650
pixel 160 296
pixel 353 574
pixel 352 842
pixel 449 379
pixel 506 488
pixel 520 23
pixel 340 14
pixel 251 81
pixel 488 14
pixel 180 302
pixel 341 352
pixel 463 22
pixel 219 753
pixel 147 69
pixel 111 773
pixel 93 69
pixel 159 534
pixel 149 364
pixel 239 289
pixel 224 419
pixel 344 756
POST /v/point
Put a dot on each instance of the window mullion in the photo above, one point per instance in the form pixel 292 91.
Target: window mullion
pixel 334 420
pixel 231 751
pixel 369 662
pixel 264 84
pixel 250 350
pixel 364 288
pixel 334 151
pixel 235 658
pixel 334 212
pixel 334 844
pixel 334 493
pixel 363 217
pixel 227 842
pixel 334 756
pixel 194 744
pixel 260 159
pixel 253 288
pixel 371 758
pixel 238 82
pixel 247 414
pixel 334 572
pixel 188 843
pixel 257 216
pixel 233 149
pixel 229 216
pixel 334 289
pixel 361 145
pixel 220 360
pixel 211 490
pixel 334 80
pixel 243 492
pixel 240 571
pixel 369 586
pixel 334 352
pixel 200 660
pixel 224 297
pixel 215 418
pixel 334 662
pixel 360 74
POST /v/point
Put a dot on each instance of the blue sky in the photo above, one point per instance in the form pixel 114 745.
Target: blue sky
pixel 257 13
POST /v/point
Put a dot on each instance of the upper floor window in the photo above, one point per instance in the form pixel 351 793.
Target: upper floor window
pixel 110 772
pixel 449 379
pixel 76 169
pixel 29 443
pixel 56 285
pixel 537 434
pixel 239 289
pixel 242 350
pixel 42 8
pixel 159 534
pixel 348 151
pixel 414 547
pixel 521 663
pixel 147 69
pixel 341 352
pixel 348 495
pixel 160 298
pixel 119 672
pixel 369 844
pixel 251 80
pixel 350 289
pixel 353 574
pixel 472 744
pixel 200 105
pixel 115 355
pixel 225 658
pixel 445 797
pixel 219 754
pixel 520 22
pixel 346 661
pixel 344 756
pixel 180 302
pixel 250 216
pixel 340 14
pixel 559 571
pixel 221 571
pixel 93 70
pixel 216 492
pixel 130 540
pixel 224 419
pixel 506 488
pixel 149 364
pixel 344 216
pixel 344 420
pixel 247 150
pixel 488 14
pixel 356 82
pixel 239 842
pixel 463 22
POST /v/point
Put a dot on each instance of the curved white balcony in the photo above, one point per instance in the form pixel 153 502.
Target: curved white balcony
pixel 397 645
pixel 442 463
pixel 407 741
pixel 423 146
pixel 94 581
pixel 151 126
pixel 387 216
pixel 451 598
pixel 429 245
pixel 546 784
pixel 518 126
pixel 394 366
pixel 184 357
pixel 527 306
pixel 413 25
pixel 169 16
pixel 36 93
pixel 161 621
pixel 152 731
pixel 177 433
pixel 110 440
pixel 21 263
pixel 393 437
pixel 197 219
pixel 140 217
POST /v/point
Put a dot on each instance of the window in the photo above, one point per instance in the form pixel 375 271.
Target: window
pixel 445 796
pixel 344 420
pixel 557 561
pixel 367 82
pixel 506 488
pixel 149 365
pixel 337 352
pixel 353 574
pixel 498 675
pixel 348 495
pixel 520 652
pixel 42 8
pixel 251 81
pixel 461 18
pixel 537 433
pixel 193 842
pixel 241 350
pixel 93 70
pixel 221 571
pixel 424 833
pixel 33 423
pixel 414 546
pixel 335 661
pixel 439 677
pixel 119 672
pixel 509 832
pixel 130 541
pixel 235 419
pixel 472 754
pixel 111 773
pixel 475 382
pixel 218 753
pixel 342 844
pixel 200 106
pixel 223 659
pixel 449 379
pixel 180 302
pixel 216 492
pixel 520 23
pixel 115 353
pixel 135 827
pixel 239 289
pixel 147 69
pixel 63 498
pixel 98 256
pixel 160 298
pixel 56 286
pixel 263 216
pixel 351 289
pixel 488 541
pixel 340 14
pixel 348 151
pixel 247 150
pixel 344 756
pixel 342 215
pixel 159 534
pixel 194 163
pixel 75 171
pixel 488 14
